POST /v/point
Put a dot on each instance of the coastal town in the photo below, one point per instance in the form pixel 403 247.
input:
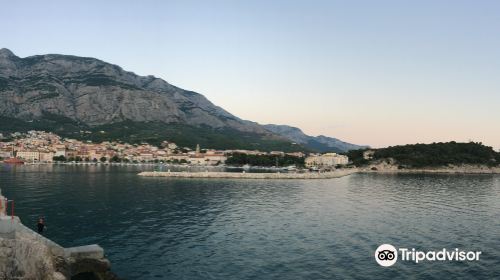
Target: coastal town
pixel 47 147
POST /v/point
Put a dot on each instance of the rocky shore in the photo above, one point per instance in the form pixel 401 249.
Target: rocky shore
pixel 391 167
pixel 243 175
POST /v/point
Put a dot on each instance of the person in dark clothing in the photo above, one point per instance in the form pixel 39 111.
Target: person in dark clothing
pixel 41 225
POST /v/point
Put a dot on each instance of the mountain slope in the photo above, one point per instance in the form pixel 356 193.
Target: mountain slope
pixel 319 143
pixel 69 95
pixel 86 98
pixel 95 93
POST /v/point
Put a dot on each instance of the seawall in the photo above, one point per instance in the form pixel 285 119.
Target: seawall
pixel 25 254
pixel 236 175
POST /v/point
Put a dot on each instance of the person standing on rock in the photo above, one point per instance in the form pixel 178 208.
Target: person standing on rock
pixel 41 225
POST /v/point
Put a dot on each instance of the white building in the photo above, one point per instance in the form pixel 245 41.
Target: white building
pixel 326 160
pixel 60 151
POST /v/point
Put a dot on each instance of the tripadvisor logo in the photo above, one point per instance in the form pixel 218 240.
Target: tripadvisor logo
pixel 387 255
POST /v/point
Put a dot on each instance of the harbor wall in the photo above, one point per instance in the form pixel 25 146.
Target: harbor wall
pixel 244 175
pixel 25 254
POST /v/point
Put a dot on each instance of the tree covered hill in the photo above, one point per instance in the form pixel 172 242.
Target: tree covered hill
pixel 432 155
pixel 150 132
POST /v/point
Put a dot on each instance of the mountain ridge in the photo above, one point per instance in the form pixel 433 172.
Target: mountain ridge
pixel 320 143
pixel 88 93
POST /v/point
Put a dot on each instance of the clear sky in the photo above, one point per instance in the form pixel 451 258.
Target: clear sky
pixel 369 72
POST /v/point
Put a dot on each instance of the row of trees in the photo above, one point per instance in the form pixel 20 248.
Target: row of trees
pixel 80 159
pixel 105 159
pixel 239 159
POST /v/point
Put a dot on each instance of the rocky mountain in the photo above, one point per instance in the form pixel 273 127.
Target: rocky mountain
pixel 93 92
pixel 90 99
pixel 315 143
pixel 86 98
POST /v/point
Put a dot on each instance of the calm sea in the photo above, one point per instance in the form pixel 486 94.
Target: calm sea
pixel 164 228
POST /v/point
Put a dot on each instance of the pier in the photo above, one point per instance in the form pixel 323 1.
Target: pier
pixel 246 175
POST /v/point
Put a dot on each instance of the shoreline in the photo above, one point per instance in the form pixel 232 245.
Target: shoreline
pixel 428 171
pixel 244 175
pixel 380 168
pixel 146 164
pixel 325 175
pixel 462 169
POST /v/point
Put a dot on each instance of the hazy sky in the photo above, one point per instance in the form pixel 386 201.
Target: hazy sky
pixel 368 72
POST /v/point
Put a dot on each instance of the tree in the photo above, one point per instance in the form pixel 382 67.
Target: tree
pixel 357 157
pixel 103 159
pixel 264 160
pixel 59 158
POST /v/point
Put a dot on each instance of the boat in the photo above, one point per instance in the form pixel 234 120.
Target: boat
pixel 291 168
pixel 13 161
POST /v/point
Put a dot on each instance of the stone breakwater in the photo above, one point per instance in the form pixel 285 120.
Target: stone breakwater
pixel 235 175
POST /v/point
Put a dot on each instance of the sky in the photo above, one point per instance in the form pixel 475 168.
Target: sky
pixel 379 73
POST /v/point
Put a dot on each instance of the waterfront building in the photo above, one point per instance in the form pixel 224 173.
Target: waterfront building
pixel 246 152
pixel 326 160
pixel 28 155
pixel 197 159
pixel 5 154
pixel 46 156
pixel 60 150
pixel 215 158
pixel 178 157
pixel 145 157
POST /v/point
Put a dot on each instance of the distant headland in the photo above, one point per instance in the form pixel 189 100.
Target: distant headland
pixel 449 157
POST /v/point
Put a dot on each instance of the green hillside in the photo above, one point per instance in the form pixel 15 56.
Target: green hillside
pixel 435 154
pixel 150 132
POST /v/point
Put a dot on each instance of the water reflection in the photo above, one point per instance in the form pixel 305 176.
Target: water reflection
pixel 169 228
